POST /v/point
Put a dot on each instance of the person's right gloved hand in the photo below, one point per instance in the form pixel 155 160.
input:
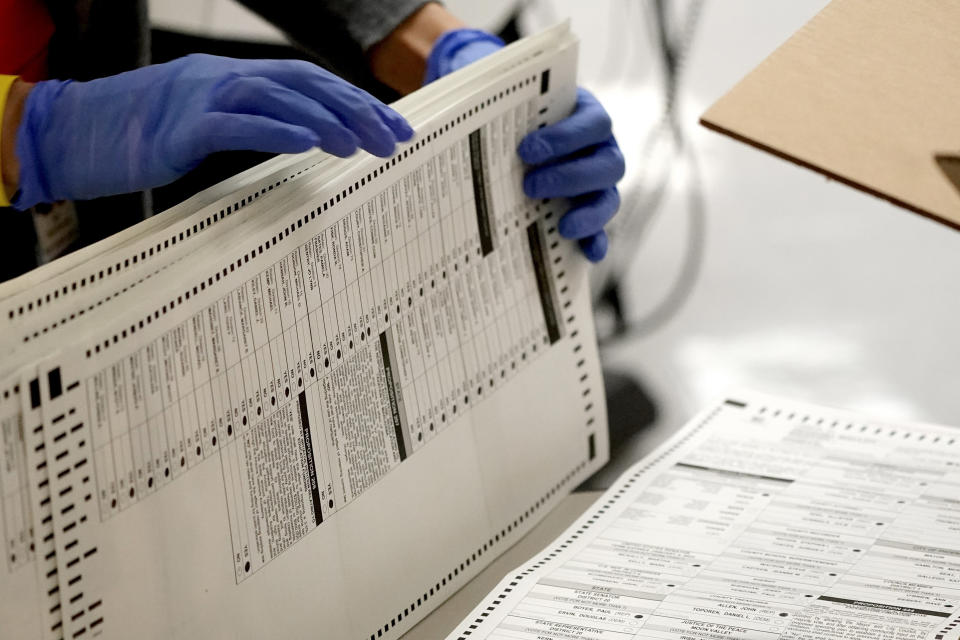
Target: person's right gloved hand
pixel 576 158
pixel 145 128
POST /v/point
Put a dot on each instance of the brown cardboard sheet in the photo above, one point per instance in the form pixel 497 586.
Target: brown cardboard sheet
pixel 867 93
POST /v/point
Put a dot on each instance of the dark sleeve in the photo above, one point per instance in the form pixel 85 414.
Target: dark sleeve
pixel 337 33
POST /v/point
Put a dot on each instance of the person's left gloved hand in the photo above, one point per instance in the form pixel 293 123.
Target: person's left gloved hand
pixel 147 127
pixel 576 158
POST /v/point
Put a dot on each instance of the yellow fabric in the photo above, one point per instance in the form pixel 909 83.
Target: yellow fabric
pixel 5 84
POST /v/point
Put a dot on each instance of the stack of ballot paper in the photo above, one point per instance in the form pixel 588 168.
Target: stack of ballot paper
pixel 312 401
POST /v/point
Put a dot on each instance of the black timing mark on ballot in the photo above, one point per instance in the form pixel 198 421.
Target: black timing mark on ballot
pixel 311 467
pixel 34 393
pixel 480 192
pixel 543 282
pixel 392 393
pixel 55 383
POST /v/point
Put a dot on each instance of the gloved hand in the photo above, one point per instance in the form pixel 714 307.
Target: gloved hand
pixel 145 128
pixel 577 158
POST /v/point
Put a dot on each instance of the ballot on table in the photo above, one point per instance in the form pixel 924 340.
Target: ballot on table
pixel 867 93
pixel 762 519
pixel 312 401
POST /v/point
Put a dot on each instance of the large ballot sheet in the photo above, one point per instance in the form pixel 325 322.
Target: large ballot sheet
pixel 763 519
pixel 311 402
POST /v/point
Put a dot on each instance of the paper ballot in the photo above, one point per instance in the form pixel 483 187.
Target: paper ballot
pixel 312 401
pixel 763 519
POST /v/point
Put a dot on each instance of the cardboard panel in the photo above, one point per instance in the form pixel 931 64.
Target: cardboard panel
pixel 867 93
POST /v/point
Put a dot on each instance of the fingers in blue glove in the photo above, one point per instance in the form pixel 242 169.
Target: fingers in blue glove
pixel 592 169
pixel 589 214
pixel 263 97
pixel 376 125
pixel 361 117
pixel 595 246
pixel 577 158
pixel 242 131
pixel 588 125
pixel 397 123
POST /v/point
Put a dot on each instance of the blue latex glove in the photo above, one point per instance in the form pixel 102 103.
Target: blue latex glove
pixel 576 158
pixel 145 128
